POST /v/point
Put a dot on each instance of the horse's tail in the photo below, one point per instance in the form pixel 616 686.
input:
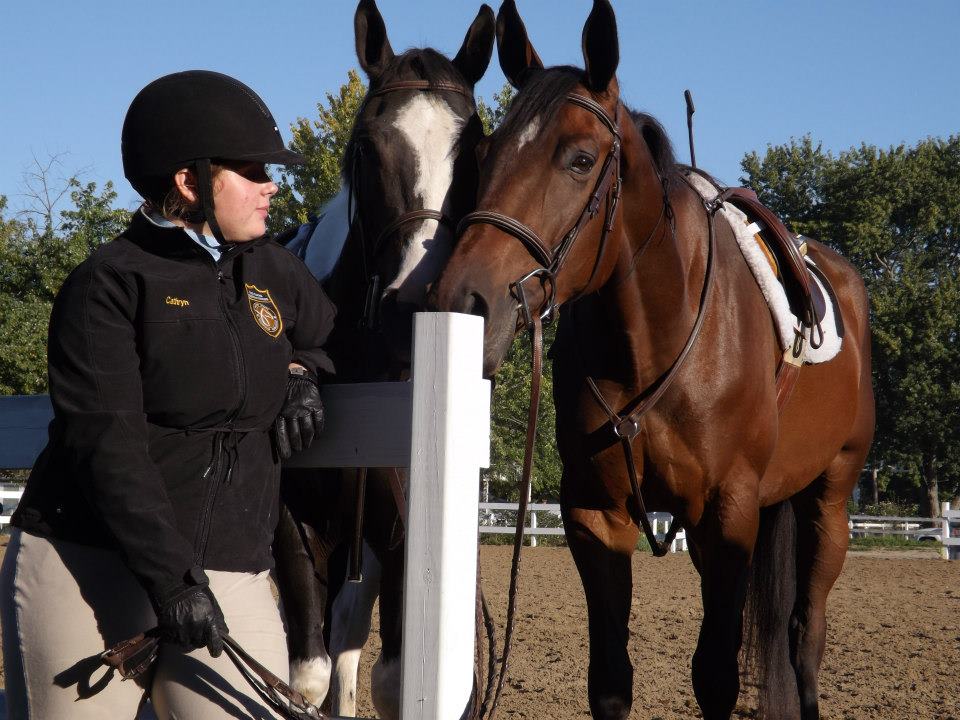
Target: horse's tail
pixel 771 595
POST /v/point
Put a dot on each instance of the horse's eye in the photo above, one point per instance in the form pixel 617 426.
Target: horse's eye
pixel 582 163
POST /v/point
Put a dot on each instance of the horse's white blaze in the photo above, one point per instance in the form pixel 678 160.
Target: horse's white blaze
pixel 385 688
pixel 311 678
pixel 432 128
pixel 529 133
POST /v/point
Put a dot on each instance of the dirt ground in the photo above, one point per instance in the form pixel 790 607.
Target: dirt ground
pixel 893 648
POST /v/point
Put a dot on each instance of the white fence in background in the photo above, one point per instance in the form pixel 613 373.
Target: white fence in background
pixel 945 530
pixel 492 522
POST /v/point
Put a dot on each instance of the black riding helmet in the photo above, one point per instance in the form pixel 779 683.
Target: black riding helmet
pixel 188 119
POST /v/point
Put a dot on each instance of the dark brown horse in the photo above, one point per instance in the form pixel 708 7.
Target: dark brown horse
pixel 756 490
pixel 409 175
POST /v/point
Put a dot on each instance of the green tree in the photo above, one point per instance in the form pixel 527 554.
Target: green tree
pixel 492 115
pixel 36 255
pixel 896 215
pixel 322 141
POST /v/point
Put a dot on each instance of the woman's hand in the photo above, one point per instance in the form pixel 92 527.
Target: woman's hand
pixel 193 619
pixel 301 417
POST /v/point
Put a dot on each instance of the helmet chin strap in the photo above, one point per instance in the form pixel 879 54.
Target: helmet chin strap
pixel 205 191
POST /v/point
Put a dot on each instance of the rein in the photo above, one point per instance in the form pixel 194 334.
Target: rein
pixel 132 658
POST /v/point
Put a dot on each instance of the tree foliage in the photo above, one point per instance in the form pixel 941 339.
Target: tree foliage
pixel 322 141
pixel 895 214
pixel 38 250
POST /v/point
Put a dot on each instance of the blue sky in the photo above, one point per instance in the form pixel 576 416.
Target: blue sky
pixel 846 71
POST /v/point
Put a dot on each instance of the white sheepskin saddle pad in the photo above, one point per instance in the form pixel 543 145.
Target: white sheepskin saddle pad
pixel 786 323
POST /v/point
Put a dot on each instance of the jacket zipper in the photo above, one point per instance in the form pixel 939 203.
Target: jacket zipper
pixel 235 338
pixel 213 485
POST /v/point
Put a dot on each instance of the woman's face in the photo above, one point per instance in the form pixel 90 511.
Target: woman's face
pixel 241 199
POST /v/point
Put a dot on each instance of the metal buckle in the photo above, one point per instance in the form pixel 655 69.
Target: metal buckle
pixel 627 428
pixel 549 286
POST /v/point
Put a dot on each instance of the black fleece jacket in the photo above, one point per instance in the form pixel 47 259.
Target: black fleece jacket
pixel 167 371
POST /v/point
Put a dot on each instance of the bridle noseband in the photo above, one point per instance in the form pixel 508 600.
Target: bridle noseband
pixel 369 318
pixel 551 258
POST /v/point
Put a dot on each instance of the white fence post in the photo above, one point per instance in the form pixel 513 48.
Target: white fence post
pixel 533 517
pixel 450 443
pixel 951 545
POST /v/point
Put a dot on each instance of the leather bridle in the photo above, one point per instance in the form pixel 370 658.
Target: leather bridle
pixel 552 258
pixel 370 318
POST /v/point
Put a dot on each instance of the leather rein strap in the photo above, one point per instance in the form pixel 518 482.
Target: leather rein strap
pixel 131 658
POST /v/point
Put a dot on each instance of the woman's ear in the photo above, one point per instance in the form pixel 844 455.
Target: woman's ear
pixel 185 181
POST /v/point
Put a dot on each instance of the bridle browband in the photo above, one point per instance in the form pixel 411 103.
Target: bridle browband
pixel 369 317
pixel 551 259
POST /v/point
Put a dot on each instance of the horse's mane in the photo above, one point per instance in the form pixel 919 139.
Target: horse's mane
pixel 545 91
pixel 658 142
pixel 413 64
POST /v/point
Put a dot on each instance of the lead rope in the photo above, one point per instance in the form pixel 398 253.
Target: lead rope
pixel 536 342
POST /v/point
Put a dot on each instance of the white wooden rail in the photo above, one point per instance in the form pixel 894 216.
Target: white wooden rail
pixel 660 521
pixel 438 426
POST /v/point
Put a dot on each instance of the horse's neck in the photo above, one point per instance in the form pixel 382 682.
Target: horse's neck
pixel 647 308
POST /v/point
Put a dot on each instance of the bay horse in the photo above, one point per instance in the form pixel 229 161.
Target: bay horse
pixel 582 206
pixel 410 174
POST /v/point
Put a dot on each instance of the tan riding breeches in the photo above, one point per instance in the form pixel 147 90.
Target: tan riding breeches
pixel 62 604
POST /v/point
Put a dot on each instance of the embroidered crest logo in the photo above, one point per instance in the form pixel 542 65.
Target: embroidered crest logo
pixel 264 310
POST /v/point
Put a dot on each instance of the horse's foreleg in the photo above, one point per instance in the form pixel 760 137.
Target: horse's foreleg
pixel 724 539
pixel 822 538
pixel 303 592
pixel 602 544
pixel 385 675
pixel 349 630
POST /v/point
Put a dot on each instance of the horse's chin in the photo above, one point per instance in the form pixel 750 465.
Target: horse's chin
pixel 498 337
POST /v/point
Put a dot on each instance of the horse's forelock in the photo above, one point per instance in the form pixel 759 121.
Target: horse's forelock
pixel 413 64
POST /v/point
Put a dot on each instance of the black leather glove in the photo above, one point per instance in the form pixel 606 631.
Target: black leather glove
pixel 301 417
pixel 193 619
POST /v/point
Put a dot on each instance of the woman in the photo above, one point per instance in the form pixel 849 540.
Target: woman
pixel 171 352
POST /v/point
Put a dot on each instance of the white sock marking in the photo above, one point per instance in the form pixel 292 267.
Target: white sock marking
pixel 311 678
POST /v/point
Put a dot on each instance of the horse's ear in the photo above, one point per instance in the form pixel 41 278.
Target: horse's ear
pixel 373 47
pixel 474 55
pixel 517 56
pixel 601 49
